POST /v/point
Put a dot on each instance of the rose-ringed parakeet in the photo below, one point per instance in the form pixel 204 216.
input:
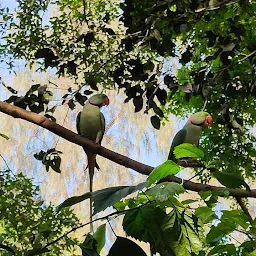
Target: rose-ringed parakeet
pixel 90 124
pixel 191 131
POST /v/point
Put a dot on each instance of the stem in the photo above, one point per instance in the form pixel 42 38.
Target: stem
pixel 244 208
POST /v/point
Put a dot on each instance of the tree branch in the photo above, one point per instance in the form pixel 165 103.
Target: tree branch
pixel 44 122
pixel 244 208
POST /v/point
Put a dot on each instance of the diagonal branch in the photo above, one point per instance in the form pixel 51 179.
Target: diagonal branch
pixel 244 208
pixel 46 123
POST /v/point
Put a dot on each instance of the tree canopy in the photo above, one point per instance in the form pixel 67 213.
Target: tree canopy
pixel 168 57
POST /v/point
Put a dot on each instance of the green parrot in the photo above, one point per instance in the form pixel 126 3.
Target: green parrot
pixel 191 131
pixel 90 123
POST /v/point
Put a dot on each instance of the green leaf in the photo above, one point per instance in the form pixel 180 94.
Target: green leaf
pixel 162 171
pixel 145 224
pixel 73 200
pixel 194 240
pixel 227 248
pixel 205 213
pixel 188 150
pixel 89 246
pixel 107 197
pixel 235 216
pixel 218 232
pixel 125 247
pixel 189 201
pixel 209 197
pixel 4 136
pixel 120 206
pixel 155 121
pixel 230 180
pixel 164 190
pixel 181 247
pixel 99 236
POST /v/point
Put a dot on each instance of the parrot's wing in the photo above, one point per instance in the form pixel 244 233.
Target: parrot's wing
pixel 78 123
pixel 103 125
pixel 178 139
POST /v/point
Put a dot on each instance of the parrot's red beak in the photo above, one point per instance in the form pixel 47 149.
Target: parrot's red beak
pixel 106 102
pixel 208 120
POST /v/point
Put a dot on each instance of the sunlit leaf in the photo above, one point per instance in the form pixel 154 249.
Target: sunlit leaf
pixel 162 171
pixel 100 237
pixel 188 150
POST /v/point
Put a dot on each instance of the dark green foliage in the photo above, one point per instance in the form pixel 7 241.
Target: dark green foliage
pixel 50 158
pixel 125 247
pixel 28 225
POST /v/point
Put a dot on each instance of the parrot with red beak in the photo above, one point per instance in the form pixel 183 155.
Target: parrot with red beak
pixel 191 131
pixel 90 123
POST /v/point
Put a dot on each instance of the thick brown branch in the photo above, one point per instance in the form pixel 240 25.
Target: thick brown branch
pixel 113 156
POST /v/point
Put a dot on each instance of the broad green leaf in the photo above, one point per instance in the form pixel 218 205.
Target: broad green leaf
pixel 162 171
pixel 194 240
pixel 230 180
pixel 205 213
pixel 103 198
pixel 236 216
pixel 145 224
pixel 218 232
pixel 228 248
pixel 4 136
pixel 188 150
pixel 209 197
pixel 230 220
pixel 181 247
pixel 73 200
pixel 100 237
pixel 125 247
pixel 164 190
pixel 89 246
pixel 120 206
pixel 107 197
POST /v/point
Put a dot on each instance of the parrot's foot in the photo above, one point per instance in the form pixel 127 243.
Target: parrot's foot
pixel 97 166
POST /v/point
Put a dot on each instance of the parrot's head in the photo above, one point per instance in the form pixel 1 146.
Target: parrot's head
pixel 201 118
pixel 99 100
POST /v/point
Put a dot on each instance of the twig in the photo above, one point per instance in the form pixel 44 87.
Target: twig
pixel 218 6
pixel 6 164
pixel 244 208
pixel 247 56
pixel 204 105
pixel 111 227
pixel 62 125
